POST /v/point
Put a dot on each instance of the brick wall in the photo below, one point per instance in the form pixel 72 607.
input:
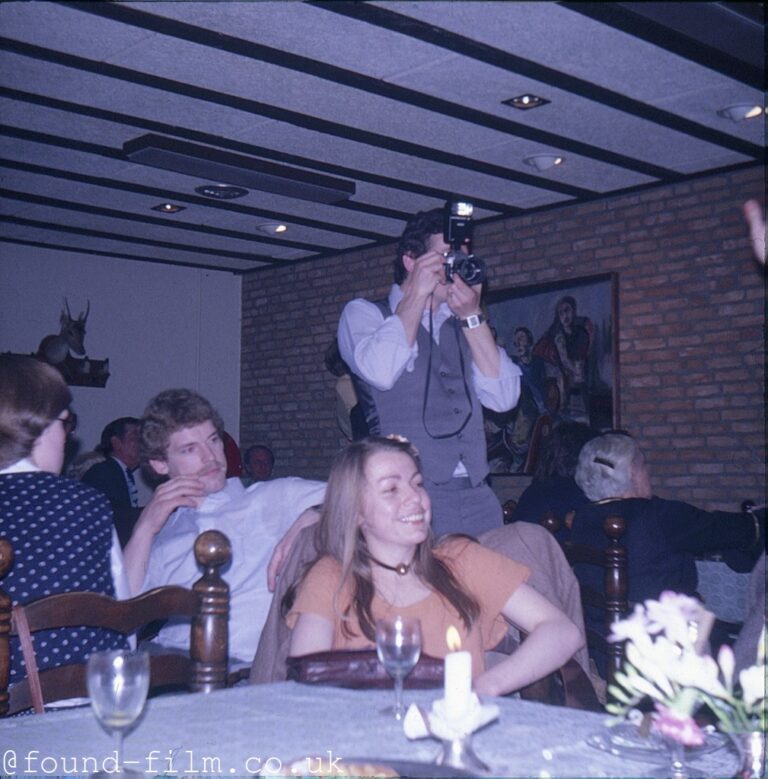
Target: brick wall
pixel 691 331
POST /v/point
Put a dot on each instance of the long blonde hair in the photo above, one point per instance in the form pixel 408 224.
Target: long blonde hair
pixel 339 536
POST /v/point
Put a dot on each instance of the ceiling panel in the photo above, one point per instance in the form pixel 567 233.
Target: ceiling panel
pixel 404 99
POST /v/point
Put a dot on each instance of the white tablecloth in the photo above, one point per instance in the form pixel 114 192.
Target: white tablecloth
pixel 234 732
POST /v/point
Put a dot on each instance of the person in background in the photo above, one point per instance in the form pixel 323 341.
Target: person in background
pixel 82 464
pixel 662 537
pixel 258 464
pixel 349 414
pixel 377 560
pixel 60 530
pixel 753 631
pixel 553 489
pixel 181 441
pixel 755 219
pixel 114 474
pixel 424 362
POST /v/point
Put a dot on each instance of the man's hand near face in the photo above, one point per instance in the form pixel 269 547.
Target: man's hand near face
pixel 464 301
pixel 425 275
pixel 176 492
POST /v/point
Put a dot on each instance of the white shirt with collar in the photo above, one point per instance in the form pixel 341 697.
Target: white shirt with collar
pixel 376 349
pixel 130 484
pixel 254 520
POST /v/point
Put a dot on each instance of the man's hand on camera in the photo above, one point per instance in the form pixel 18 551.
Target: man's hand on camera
pixel 427 273
pixel 464 300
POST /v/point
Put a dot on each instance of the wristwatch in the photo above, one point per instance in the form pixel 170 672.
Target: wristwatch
pixel 473 321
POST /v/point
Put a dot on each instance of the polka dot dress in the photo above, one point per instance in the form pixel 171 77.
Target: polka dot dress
pixel 61 532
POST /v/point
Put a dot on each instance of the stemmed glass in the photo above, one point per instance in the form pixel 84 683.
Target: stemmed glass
pixel 118 682
pixel 398 644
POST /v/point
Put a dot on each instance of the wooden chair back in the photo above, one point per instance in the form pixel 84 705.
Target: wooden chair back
pixel 206 604
pixel 612 599
pixel 542 429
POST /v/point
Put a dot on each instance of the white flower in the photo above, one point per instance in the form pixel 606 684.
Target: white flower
pixel 701 672
pixel 674 615
pixel 662 662
pixel 727 663
pixel 633 628
pixel 752 682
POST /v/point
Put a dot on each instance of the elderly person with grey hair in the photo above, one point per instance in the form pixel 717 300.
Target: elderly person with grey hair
pixel 662 537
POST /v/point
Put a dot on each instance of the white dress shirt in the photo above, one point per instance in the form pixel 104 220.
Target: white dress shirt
pixel 254 520
pixel 376 349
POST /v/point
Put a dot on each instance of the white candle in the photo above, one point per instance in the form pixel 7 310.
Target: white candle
pixel 457 677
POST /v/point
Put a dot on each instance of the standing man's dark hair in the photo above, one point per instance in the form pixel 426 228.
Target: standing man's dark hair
pixel 413 241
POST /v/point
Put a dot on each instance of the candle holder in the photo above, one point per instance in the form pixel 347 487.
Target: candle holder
pixel 458 753
pixel 455 734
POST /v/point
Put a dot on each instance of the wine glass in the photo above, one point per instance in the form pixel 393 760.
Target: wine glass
pixel 398 644
pixel 118 682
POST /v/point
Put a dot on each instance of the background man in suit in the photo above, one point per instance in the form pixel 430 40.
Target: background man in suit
pixel 114 476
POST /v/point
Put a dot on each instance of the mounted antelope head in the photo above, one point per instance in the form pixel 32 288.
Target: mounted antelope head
pixel 70 340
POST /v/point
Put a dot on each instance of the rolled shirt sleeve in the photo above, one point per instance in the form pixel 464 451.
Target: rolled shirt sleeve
pixel 374 347
pixel 502 393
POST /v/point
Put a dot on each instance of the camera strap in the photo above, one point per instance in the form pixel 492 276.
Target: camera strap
pixel 439 436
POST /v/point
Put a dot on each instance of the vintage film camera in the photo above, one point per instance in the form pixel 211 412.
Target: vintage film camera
pixel 457 229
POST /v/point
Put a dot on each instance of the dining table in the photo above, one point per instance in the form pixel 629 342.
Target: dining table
pixel 265 729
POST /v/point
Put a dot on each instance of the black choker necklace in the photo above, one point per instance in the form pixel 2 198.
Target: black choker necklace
pixel 400 569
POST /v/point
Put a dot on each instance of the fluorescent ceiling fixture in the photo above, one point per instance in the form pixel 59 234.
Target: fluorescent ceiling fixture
pixel 221 191
pixel 525 102
pixel 544 161
pixel 740 112
pixel 204 162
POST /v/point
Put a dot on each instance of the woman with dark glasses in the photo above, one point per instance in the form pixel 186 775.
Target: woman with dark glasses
pixel 60 530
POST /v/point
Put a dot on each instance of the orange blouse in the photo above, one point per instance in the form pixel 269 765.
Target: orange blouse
pixel 491 578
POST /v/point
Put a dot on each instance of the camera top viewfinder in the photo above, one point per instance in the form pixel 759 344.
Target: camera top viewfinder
pixel 457 223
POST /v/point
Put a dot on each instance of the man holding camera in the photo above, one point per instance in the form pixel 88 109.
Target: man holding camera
pixel 424 361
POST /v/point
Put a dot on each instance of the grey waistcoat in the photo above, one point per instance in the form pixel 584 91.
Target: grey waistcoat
pixel 399 409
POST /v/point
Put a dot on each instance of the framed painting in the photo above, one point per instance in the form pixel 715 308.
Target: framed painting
pixel 564 337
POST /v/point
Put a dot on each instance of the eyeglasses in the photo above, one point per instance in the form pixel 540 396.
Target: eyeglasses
pixel 69 422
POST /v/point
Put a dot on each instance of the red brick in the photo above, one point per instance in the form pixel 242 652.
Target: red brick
pixel 691 303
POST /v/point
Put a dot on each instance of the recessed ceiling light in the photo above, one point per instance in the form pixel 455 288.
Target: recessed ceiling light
pixel 740 112
pixel 524 102
pixel 221 191
pixel 544 161
pixel 272 228
pixel 168 208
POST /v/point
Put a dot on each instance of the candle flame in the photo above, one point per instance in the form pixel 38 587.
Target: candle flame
pixel 453 639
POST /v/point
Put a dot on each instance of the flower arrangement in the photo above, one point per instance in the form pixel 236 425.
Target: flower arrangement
pixel 664 662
